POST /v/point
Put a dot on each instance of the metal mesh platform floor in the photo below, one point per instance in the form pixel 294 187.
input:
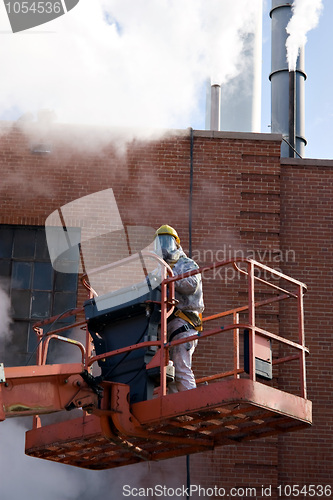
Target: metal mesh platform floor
pixel 172 426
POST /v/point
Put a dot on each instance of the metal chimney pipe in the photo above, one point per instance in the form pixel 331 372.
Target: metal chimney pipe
pixel 292 113
pixel 281 114
pixel 215 114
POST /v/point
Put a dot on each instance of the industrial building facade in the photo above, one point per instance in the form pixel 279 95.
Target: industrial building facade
pixel 227 195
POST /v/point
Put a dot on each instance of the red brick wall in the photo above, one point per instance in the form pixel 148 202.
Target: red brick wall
pixel 246 201
pixel 307 221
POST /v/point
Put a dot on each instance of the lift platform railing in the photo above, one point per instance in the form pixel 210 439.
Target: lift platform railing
pixel 44 338
pixel 245 267
pixel 250 308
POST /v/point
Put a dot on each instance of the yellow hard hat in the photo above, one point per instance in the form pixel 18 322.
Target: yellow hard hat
pixel 165 229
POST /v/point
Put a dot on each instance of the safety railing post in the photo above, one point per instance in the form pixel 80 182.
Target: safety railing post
pixel 236 345
pixel 164 307
pixel 36 421
pixel 88 351
pixel 301 341
pixel 252 366
pixel 39 351
pixel 89 346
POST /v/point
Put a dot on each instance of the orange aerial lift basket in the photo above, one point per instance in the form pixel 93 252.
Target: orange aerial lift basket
pixel 127 415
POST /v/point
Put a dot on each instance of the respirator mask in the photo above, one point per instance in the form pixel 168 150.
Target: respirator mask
pixel 166 247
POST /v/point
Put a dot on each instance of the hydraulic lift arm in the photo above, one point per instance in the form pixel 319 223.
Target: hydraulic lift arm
pixel 38 390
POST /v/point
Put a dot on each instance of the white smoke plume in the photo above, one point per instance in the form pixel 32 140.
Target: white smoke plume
pixel 124 63
pixel 305 17
pixel 33 478
pixel 23 476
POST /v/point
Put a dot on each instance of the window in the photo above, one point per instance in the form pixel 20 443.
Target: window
pixel 36 290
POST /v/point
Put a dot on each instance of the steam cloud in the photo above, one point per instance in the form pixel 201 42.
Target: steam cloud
pixel 27 477
pixel 123 63
pixel 305 17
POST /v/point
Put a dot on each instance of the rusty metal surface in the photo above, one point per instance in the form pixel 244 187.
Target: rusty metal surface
pixel 240 390
pixel 37 390
pixel 233 411
pixel 79 442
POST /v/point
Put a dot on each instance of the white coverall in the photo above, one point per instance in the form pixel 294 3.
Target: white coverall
pixel 190 298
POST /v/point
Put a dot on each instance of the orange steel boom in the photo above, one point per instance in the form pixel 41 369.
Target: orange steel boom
pixel 115 429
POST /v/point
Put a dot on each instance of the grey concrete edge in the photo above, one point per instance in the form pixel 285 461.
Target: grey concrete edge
pixel 307 162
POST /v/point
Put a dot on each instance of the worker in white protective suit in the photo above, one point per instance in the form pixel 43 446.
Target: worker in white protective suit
pixel 186 320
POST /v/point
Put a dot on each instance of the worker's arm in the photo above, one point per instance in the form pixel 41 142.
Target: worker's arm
pixel 188 285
